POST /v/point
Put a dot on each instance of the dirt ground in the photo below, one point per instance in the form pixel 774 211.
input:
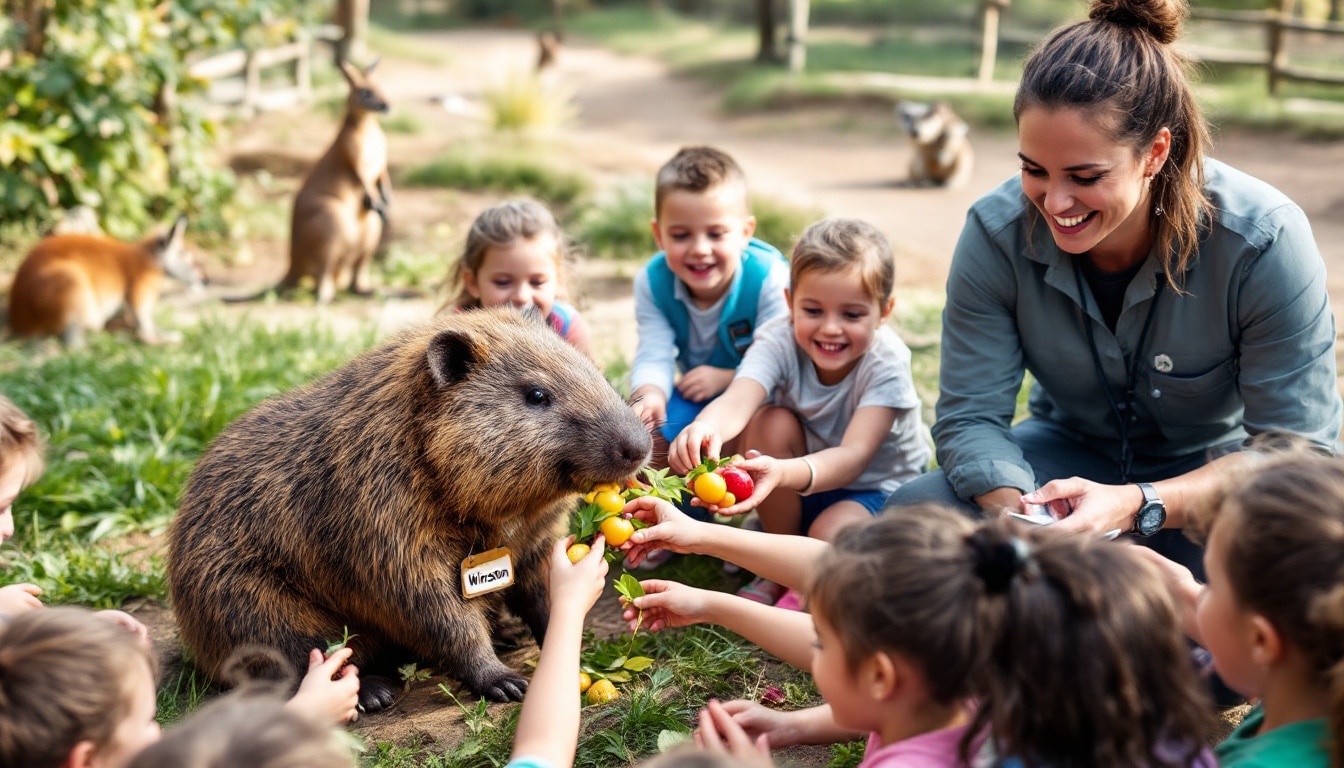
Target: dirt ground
pixel 632 116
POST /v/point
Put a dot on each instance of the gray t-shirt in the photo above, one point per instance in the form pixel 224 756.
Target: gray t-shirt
pixel 882 378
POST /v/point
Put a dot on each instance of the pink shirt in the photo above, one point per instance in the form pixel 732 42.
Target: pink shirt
pixel 935 749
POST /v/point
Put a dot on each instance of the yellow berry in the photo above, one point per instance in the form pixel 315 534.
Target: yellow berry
pixel 602 691
pixel 584 681
pixel 728 500
pixel 577 552
pixel 609 502
pixel 710 488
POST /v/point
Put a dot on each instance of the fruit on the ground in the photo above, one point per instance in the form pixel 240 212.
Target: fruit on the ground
pixel 737 481
pixel 585 682
pixel 617 530
pixel 577 552
pixel 728 500
pixel 609 502
pixel 710 488
pixel 602 691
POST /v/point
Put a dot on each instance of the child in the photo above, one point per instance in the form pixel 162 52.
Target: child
pixel 20 466
pixel 704 294
pixel 242 731
pixel 1069 645
pixel 1272 612
pixel 843 429
pixel 548 728
pixel 78 690
pixel 515 255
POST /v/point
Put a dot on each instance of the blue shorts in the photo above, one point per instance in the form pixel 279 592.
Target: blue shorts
pixel 680 412
pixel 817 503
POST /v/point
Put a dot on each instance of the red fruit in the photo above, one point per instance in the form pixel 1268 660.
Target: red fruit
pixel 738 482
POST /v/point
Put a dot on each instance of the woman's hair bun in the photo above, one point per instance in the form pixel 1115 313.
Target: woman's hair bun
pixel 1160 18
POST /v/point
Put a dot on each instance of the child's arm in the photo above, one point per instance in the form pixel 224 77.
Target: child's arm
pixel 655 364
pixel 548 728
pixel 330 690
pixel 721 420
pixel 784 560
pixel 18 598
pixel 814 725
pixel 789 635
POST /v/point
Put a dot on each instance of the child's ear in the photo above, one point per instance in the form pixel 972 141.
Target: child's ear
pixel 657 234
pixel 81 756
pixel 470 283
pixel 788 298
pixel 886 311
pixel 1267 646
pixel 749 227
pixel 882 676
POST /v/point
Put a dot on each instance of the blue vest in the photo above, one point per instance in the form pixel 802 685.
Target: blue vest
pixel 737 322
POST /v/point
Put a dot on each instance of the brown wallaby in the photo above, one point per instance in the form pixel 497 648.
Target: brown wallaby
pixel 548 48
pixel 342 207
pixel 942 150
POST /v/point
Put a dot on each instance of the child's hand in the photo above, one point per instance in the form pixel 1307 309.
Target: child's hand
pixel 330 690
pixel 719 733
pixel 18 598
pixel 665 605
pixel 704 382
pixel 668 529
pixel 765 474
pixel 650 405
pixel 128 622
pixel 576 586
pixel 691 445
pixel 758 720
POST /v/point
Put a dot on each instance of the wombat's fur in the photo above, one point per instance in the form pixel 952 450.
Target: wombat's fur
pixel 350 503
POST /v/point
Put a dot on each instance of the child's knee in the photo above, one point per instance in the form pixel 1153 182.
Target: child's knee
pixel 835 517
pixel 774 431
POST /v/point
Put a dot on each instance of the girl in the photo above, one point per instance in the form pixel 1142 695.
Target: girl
pixel 844 429
pixel 1069 645
pixel 78 690
pixel 1272 611
pixel 515 255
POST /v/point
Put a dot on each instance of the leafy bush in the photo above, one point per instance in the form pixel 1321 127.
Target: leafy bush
pixel 523 102
pixel 95 112
pixel 511 172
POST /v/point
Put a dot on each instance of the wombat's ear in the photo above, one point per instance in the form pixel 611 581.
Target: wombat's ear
pixel 451 355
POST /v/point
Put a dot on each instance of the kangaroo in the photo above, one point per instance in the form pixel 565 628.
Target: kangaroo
pixel 942 152
pixel 70 284
pixel 548 49
pixel 342 207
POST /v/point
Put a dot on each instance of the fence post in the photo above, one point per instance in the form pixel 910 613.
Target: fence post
pixel 1278 52
pixel 797 42
pixel 989 42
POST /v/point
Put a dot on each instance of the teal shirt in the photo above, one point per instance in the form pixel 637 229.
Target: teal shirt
pixel 1249 346
pixel 1297 745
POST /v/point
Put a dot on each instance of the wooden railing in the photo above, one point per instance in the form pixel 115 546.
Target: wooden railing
pixel 236 76
pixel 1278 23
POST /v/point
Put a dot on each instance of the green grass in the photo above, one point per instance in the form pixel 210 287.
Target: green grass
pixel 516 171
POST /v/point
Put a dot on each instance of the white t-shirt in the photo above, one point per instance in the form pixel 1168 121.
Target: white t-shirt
pixel 882 378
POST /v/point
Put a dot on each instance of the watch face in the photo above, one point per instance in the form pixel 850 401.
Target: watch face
pixel 1150 518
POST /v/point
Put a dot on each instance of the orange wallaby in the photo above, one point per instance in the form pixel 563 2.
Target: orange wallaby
pixel 70 284
pixel 341 208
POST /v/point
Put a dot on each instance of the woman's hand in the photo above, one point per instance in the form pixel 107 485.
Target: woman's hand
pixel 668 529
pixel 698 440
pixel 718 732
pixel 665 605
pixel 1095 507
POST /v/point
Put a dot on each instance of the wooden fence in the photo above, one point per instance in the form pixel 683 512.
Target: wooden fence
pixel 1278 24
pixel 238 77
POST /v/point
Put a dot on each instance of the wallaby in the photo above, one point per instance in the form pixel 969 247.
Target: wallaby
pixel 548 49
pixel 342 207
pixel 942 151
pixel 70 284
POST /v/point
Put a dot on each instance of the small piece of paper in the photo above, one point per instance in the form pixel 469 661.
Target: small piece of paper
pixel 487 572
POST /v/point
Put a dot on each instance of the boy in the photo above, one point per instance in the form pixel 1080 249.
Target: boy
pixel 704 294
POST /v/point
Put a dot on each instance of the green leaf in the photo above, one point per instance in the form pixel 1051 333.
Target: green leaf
pixel 619 676
pixel 629 587
pixel 638 663
pixel 668 739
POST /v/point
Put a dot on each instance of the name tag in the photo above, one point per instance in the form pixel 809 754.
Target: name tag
pixel 487 572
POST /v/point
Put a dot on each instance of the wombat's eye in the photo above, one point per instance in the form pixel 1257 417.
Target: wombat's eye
pixel 537 396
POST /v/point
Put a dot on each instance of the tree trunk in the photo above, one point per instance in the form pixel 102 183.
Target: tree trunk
pixel 767 23
pixel 352 16
pixel 797 40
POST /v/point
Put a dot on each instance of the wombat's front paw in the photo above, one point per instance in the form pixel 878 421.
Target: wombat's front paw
pixel 502 684
pixel 376 693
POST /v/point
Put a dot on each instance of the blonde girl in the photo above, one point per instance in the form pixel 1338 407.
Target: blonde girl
pixel 842 429
pixel 515 255
pixel 1272 611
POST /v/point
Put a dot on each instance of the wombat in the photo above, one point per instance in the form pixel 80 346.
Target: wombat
pixel 349 505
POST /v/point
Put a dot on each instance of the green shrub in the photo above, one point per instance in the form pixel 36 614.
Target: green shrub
pixel 510 172
pixel 523 102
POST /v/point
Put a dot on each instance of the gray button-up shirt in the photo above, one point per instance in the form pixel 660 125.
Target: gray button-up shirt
pixel 1248 346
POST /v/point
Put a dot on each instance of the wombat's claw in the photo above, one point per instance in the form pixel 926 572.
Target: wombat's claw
pixel 376 693
pixel 510 687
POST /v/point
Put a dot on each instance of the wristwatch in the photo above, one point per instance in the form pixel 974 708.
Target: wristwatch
pixel 1152 514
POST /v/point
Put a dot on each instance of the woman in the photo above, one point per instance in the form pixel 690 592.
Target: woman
pixel 1167 305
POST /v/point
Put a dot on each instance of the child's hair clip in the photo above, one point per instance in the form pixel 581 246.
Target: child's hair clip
pixel 997 562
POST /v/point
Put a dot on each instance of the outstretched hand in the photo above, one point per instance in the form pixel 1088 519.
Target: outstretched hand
pixel 665 605
pixel 719 733
pixel 1082 505
pixel 668 528
pixel 765 475
pixel 330 690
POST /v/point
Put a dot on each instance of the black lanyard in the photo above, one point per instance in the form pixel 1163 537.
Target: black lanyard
pixel 1125 415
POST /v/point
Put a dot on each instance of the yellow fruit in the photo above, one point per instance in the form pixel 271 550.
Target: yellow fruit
pixel 585 682
pixel 609 502
pixel 589 496
pixel 617 530
pixel 710 488
pixel 602 691
pixel 613 487
pixel 577 552
pixel 728 500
